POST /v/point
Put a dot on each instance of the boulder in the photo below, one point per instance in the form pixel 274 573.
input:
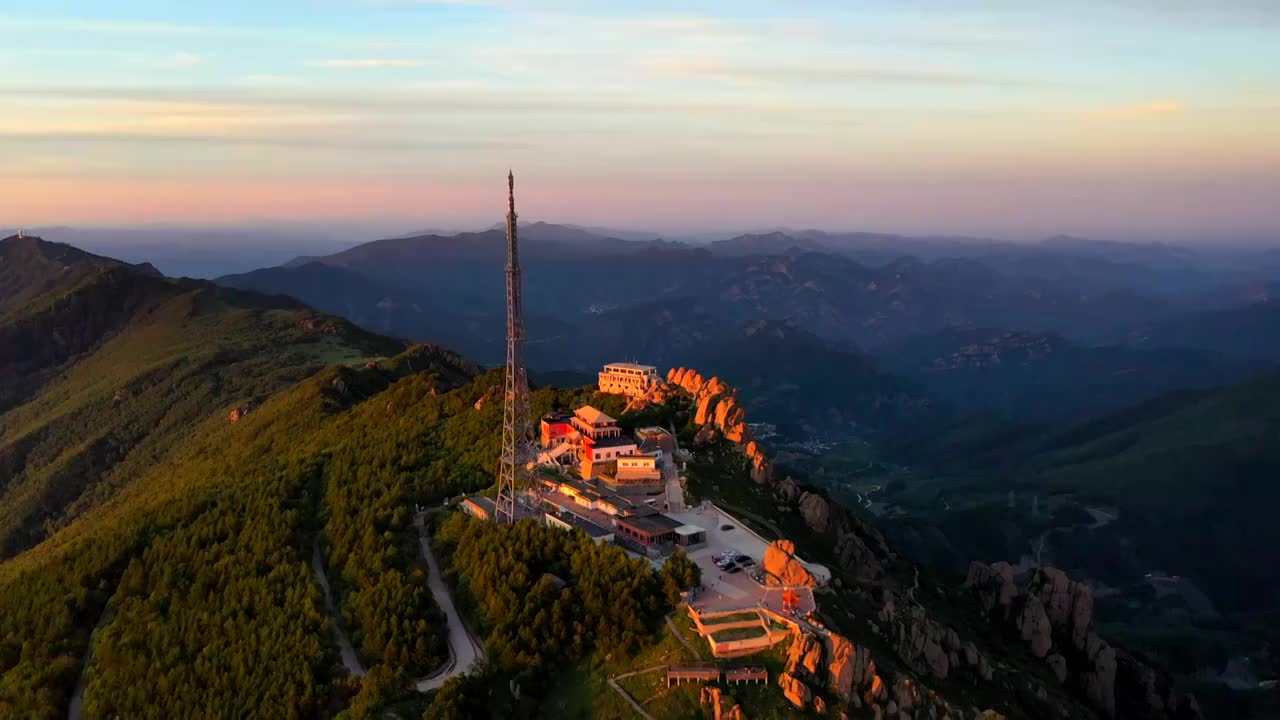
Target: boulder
pixel 782 568
pixel 1033 623
pixel 711 696
pixel 794 690
pixel 805 656
pixel 993 583
pixel 905 694
pixel 815 510
pixel 706 434
pixel 1099 679
pixel 724 407
pixel 1068 604
pixel 841 665
pixel 864 668
pixel 1058 665
pixel 706 409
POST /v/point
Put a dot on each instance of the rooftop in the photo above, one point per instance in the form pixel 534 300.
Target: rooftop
pixel 590 491
pixel 630 366
pixel 620 441
pixel 591 529
pixel 557 417
pixel 481 502
pixel 592 416
pixel 689 530
pixel 652 524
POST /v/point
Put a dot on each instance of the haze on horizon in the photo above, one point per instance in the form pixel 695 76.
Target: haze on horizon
pixel 1120 118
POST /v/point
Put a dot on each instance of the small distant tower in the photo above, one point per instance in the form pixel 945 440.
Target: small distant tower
pixel 20 236
pixel 517 437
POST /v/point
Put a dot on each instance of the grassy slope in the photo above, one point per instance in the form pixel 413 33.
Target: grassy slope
pixel 174 364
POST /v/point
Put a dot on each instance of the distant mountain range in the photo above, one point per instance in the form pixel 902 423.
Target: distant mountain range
pixel 1117 322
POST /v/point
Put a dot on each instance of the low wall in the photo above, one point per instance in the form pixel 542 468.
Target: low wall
pixel 723 648
pixel 746 645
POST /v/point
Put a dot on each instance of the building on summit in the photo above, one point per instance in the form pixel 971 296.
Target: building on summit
pixel 628 379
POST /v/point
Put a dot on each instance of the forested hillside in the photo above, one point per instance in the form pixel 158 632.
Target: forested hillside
pixel 102 374
pixel 1205 459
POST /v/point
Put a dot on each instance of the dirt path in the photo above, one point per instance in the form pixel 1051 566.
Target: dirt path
pixel 464 651
pixel 76 709
pixel 350 659
pixel 680 636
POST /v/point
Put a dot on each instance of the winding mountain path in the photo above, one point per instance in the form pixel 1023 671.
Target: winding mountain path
pixel 350 659
pixel 76 709
pixel 464 651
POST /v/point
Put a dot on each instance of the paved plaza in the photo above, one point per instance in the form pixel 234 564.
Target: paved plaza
pixel 736 591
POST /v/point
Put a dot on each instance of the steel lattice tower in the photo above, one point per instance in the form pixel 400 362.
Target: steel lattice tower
pixel 517 440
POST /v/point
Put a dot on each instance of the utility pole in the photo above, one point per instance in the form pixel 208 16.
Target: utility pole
pixel 517 442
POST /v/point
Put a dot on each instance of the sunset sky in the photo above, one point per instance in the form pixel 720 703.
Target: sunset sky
pixel 1122 118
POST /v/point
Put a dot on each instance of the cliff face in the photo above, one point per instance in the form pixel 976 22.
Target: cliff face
pixel 861 550
pixel 1053 615
pixel 833 668
pixel 718 412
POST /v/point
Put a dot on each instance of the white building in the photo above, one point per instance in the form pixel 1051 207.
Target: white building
pixel 628 379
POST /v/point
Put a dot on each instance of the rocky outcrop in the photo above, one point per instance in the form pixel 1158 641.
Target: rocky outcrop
pixel 489 395
pixel 722 706
pixel 781 567
pixel 860 549
pixel 928 646
pixel 829 674
pixel 994 584
pixel 805 654
pixel 719 413
pixel 794 690
pixel 1054 618
pixel 1033 623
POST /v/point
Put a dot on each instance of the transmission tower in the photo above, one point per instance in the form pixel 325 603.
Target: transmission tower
pixel 517 438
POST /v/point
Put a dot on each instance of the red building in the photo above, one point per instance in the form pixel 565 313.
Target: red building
pixel 557 427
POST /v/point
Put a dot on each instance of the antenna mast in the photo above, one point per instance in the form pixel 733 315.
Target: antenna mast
pixel 517 442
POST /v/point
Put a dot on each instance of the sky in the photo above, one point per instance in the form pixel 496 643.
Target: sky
pixel 1120 118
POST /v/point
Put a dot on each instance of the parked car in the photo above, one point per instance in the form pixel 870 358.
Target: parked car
pixel 744 560
pixel 726 528
pixel 734 569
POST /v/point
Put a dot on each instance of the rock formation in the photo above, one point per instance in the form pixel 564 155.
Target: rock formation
pixel 718 411
pixel 794 690
pixel 722 706
pixel 860 549
pixel 489 394
pixel 782 568
pixel 1054 617
pixel 928 646
pixel 831 673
